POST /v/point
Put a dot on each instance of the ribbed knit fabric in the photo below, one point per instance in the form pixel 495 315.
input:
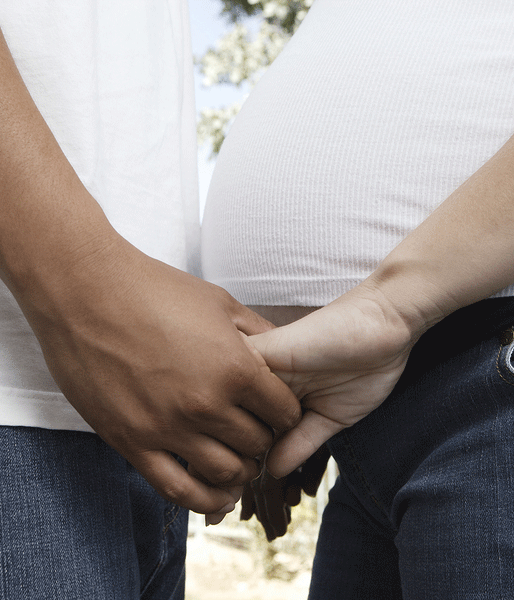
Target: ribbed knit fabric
pixel 372 115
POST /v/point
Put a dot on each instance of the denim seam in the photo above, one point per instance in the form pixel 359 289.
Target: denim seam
pixel 171 514
pixel 498 367
pixel 168 515
pixel 498 553
pixel 362 476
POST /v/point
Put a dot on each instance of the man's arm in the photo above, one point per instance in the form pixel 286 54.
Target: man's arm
pixel 151 357
pixel 344 359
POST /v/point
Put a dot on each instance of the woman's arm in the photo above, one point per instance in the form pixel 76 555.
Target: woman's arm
pixel 345 359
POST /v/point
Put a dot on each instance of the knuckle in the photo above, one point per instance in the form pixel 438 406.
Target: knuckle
pixel 201 406
pixel 240 373
pixel 290 417
pixel 263 443
pixel 177 492
pixel 253 440
pixel 226 476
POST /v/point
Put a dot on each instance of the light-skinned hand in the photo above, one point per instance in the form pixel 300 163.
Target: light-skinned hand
pixel 342 361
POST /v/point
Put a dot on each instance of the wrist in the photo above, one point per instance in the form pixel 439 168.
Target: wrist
pixel 53 254
pixel 410 289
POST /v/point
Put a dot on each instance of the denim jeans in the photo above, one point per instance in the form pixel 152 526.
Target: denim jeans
pixel 78 522
pixel 424 506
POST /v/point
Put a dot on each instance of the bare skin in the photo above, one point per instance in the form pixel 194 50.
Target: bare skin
pixel 151 357
pixel 343 360
pixel 266 497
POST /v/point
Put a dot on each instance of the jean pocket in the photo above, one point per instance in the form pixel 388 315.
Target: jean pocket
pixel 505 358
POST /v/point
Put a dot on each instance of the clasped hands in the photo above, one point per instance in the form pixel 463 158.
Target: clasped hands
pixel 341 361
pixel 161 363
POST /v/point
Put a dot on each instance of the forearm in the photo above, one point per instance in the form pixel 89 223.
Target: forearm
pixel 47 217
pixel 460 254
pixel 150 356
pixel 345 359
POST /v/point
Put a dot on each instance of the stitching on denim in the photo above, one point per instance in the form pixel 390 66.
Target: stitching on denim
pixel 175 511
pixel 498 368
pixel 508 357
pixel 362 476
pixel 168 515
pixel 497 485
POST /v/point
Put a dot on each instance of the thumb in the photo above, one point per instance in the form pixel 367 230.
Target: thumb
pixel 298 444
pixel 276 347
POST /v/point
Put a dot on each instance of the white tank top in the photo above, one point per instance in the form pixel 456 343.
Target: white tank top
pixel 113 79
pixel 373 114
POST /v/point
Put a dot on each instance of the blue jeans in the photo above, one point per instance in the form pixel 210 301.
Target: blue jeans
pixel 78 522
pixel 424 506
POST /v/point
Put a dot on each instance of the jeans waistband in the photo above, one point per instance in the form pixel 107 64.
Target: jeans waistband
pixel 459 331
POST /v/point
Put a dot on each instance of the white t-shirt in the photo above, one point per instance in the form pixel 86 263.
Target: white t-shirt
pixel 372 115
pixel 114 82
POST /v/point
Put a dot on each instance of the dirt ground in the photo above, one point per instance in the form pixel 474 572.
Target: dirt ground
pixel 217 571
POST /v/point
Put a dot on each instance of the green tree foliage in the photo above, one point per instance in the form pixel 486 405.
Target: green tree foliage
pixel 242 55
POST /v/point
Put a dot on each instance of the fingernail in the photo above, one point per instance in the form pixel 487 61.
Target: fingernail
pixel 236 493
pixel 228 508
pixel 214 519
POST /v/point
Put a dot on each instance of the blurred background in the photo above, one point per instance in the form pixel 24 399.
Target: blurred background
pixel 234 560
pixel 234 41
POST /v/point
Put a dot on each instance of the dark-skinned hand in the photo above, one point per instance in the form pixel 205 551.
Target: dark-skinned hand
pixel 271 499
